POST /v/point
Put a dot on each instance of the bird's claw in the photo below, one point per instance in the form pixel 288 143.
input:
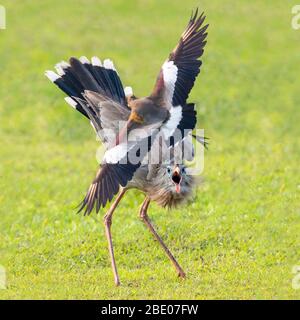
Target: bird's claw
pixel 181 274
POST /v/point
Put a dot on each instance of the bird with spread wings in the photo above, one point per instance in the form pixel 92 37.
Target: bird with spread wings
pixel 131 127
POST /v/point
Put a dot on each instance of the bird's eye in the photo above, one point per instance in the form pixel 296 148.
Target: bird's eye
pixel 169 170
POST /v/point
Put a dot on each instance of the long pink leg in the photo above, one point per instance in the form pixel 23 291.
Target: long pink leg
pixel 107 224
pixel 147 221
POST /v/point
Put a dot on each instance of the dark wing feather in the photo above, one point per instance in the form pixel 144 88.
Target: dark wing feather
pixel 178 74
pixel 88 84
pixel 80 75
pixel 113 175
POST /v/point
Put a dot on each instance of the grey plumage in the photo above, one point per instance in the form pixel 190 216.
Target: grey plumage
pixel 161 188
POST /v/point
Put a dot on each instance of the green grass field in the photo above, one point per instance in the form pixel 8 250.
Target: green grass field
pixel 238 239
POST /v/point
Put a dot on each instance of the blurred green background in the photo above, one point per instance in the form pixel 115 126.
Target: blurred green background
pixel 238 239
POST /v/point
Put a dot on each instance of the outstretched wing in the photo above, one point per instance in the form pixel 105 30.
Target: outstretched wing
pixel 120 164
pixel 178 73
pixel 105 185
pixel 80 78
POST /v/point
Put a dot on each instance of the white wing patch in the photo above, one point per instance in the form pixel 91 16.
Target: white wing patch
pixel 59 69
pixel 175 116
pixel 51 75
pixel 71 102
pixel 108 64
pixel 170 76
pixel 116 153
pixel 96 62
pixel 84 60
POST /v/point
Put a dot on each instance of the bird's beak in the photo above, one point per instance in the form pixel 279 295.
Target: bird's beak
pixel 133 120
pixel 176 178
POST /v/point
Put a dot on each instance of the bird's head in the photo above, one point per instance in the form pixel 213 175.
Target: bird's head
pixel 177 177
pixel 172 185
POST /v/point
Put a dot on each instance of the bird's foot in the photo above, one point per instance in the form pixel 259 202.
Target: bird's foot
pixel 181 274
